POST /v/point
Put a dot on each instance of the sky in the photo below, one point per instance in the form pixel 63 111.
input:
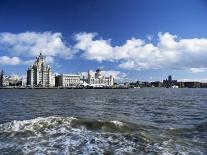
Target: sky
pixel 144 40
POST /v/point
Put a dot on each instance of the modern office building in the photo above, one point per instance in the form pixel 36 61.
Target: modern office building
pixel 67 80
pixel 39 74
pixel 99 80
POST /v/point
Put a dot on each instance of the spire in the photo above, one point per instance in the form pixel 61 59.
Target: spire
pixel 2 72
pixel 40 56
pixel 89 74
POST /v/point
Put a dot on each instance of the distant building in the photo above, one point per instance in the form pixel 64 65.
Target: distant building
pixel 24 81
pixel 52 84
pixel 12 80
pixel 191 84
pixel 99 79
pixel 169 82
pixel 67 80
pixel 181 84
pixel 39 74
pixel 156 84
pixel 203 85
pixel 2 78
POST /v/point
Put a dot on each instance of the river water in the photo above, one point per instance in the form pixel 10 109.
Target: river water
pixel 103 121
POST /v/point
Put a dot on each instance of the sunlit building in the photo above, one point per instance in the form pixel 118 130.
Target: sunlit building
pixel 98 79
pixel 39 74
pixel 67 80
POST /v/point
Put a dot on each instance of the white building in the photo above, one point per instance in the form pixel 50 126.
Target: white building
pixel 52 81
pixel 39 74
pixel 24 81
pixel 99 80
pixel 67 80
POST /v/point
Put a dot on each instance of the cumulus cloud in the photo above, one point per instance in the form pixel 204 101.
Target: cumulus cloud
pixel 169 53
pixel 93 49
pixel 30 44
pixel 5 60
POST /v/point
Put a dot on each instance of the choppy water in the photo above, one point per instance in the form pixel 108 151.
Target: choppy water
pixel 133 121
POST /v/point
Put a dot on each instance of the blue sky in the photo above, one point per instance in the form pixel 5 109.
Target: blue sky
pixel 133 39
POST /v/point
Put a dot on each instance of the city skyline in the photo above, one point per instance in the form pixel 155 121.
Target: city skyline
pixel 141 40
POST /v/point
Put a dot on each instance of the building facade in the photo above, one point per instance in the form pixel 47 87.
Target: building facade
pixel 67 80
pixel 99 80
pixel 39 74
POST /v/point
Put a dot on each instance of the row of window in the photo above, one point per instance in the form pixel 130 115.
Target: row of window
pixel 71 80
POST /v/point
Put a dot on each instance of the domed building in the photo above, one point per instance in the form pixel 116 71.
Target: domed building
pixel 99 79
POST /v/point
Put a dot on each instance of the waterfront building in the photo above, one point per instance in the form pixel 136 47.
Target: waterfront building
pixel 24 81
pixel 203 85
pixel 169 82
pixel 67 80
pixel 52 84
pixel 99 80
pixel 192 84
pixel 39 74
pixel 156 84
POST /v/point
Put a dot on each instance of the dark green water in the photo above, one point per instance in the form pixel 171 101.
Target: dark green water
pixel 133 121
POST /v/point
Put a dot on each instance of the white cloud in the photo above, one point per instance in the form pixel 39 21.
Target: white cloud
pixel 5 60
pixel 169 53
pixel 193 80
pixel 198 70
pixel 93 50
pixel 49 60
pixel 30 44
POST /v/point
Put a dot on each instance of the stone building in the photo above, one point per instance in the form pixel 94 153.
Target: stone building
pixel 39 74
pixel 99 79
pixel 67 80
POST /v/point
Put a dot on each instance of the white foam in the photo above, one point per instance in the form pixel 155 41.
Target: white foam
pixel 117 123
pixel 34 124
pixel 55 135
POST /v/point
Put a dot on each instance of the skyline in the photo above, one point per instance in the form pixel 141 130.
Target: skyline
pixel 146 42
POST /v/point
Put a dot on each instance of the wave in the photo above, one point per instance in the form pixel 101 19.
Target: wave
pixel 64 135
